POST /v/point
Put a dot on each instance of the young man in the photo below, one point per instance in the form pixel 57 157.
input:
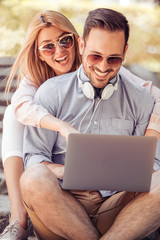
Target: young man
pixel 94 99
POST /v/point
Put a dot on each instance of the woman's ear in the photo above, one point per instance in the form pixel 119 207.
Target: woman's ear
pixel 81 45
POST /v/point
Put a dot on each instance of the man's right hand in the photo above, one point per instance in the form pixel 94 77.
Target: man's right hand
pixel 57 169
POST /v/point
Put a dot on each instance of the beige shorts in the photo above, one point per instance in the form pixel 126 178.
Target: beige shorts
pixel 102 211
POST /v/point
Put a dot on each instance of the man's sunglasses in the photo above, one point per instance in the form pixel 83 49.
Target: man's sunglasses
pixel 65 41
pixel 112 61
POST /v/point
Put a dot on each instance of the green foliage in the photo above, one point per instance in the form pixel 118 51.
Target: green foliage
pixel 144 44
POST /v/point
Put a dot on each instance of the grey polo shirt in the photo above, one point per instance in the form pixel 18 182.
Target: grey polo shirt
pixel 126 112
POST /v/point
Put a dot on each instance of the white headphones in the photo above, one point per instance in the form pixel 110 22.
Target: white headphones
pixel 89 90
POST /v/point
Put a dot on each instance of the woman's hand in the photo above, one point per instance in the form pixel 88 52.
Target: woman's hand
pixel 66 129
pixel 52 123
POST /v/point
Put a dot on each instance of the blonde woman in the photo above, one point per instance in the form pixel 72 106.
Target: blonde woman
pixel 50 49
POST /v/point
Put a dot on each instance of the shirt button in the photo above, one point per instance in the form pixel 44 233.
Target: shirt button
pixel 95 122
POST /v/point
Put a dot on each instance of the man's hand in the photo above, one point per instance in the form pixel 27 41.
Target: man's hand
pixel 57 169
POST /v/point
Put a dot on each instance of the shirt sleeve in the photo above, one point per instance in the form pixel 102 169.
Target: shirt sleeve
pixel 26 110
pixel 155 116
pixel 154 122
pixel 39 142
pixel 143 112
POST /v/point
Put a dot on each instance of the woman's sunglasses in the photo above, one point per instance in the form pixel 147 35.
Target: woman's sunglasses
pixel 112 61
pixel 65 41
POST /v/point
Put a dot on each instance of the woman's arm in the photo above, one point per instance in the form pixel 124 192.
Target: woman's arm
pixel 153 128
pixel 52 123
pixel 150 132
pixel 29 113
pixel 25 109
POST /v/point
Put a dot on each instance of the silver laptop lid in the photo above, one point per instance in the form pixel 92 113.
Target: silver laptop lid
pixel 109 162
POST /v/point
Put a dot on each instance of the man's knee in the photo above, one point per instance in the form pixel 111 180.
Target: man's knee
pixel 37 179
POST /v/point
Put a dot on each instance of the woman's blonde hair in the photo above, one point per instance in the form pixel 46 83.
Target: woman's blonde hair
pixel 28 64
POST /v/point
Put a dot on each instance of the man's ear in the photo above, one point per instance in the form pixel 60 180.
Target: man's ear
pixel 125 50
pixel 81 45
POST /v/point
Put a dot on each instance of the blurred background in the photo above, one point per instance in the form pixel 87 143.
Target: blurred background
pixel 143 16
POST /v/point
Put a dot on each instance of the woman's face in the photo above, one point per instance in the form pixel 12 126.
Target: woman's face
pixel 62 59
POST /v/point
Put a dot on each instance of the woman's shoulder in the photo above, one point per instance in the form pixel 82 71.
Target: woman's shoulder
pixel 27 83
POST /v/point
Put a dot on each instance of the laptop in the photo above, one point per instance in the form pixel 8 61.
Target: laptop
pixel 109 162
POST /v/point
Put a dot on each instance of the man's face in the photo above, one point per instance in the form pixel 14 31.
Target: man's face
pixel 102 44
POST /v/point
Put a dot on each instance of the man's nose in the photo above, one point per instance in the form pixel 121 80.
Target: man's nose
pixel 103 65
